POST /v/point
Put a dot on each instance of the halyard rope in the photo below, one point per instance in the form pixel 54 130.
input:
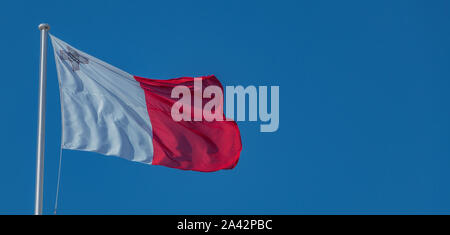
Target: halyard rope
pixel 58 181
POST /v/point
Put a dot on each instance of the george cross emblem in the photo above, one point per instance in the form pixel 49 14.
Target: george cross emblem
pixel 73 57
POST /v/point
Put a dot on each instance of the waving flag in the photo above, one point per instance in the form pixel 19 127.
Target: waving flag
pixel 109 111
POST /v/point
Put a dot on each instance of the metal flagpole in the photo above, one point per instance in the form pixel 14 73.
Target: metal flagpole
pixel 44 28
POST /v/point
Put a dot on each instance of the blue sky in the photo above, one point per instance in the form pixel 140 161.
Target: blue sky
pixel 364 105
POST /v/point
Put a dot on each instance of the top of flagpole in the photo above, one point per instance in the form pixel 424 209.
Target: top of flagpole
pixel 44 26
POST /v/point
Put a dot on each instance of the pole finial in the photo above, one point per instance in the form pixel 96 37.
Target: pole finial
pixel 44 26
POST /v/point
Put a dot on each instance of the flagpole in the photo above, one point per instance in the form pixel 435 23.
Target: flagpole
pixel 44 28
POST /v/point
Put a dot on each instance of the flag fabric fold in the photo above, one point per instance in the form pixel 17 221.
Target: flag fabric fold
pixel 109 111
